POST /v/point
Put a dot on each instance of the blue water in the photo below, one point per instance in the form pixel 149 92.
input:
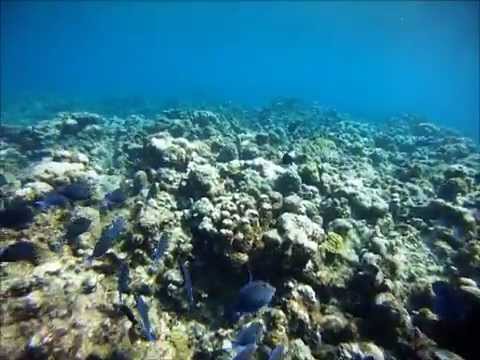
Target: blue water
pixel 372 59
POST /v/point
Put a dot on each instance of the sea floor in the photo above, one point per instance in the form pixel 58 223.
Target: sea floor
pixel 290 231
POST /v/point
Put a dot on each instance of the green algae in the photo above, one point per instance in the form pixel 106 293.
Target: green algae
pixel 334 244
pixel 320 147
pixel 181 342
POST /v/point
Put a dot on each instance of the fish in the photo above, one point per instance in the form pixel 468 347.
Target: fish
pixel 16 217
pixel 277 353
pixel 125 310
pixel 289 157
pixel 249 335
pixel 20 251
pixel 187 283
pixel 360 356
pixel 448 303
pixel 52 199
pixel 118 354
pixel 252 297
pixel 159 251
pixel 109 235
pixel 77 227
pixel 76 191
pixel 246 353
pixel 123 279
pixel 142 309
pixel 161 248
pixel 114 199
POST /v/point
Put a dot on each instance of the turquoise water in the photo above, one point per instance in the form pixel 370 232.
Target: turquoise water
pixel 372 59
pixel 239 180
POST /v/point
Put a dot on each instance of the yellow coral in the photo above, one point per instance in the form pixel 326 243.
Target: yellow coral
pixel 334 243
pixel 321 147
pixel 323 143
pixel 179 340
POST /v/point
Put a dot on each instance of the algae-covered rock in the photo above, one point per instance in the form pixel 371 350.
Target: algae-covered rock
pixel 140 181
pixel 155 214
pixel 163 150
pixel 360 351
pixel 296 239
pixel 83 228
pixel 451 188
pixel 179 338
pixel 54 172
pixel 202 180
pixel 227 152
pixel 310 174
pixel 439 209
pixel 299 229
pixel 288 182
pixel 33 190
pixel 299 351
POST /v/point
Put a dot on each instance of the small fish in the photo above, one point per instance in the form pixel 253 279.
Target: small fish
pixel 52 199
pixel 109 235
pixel 125 310
pixel 119 354
pixel 249 335
pixel 246 353
pixel 16 217
pixel 123 279
pixel 142 309
pixel 159 251
pixel 114 199
pixel 448 303
pixel 277 353
pixel 187 283
pixel 161 248
pixel 76 191
pixel 253 296
pixel 361 356
pixel 20 251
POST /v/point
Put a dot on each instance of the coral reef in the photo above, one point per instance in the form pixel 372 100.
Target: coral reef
pixel 367 235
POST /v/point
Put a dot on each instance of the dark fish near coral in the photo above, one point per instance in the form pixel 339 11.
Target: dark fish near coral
pixel 118 354
pixel 123 279
pixel 142 309
pixel 253 296
pixel 289 157
pixel 448 303
pixel 246 353
pixel 357 356
pixel 20 251
pixel 76 191
pixel 277 353
pixel 161 248
pixel 109 235
pixel 187 283
pixel 52 199
pixel 77 227
pixel 114 199
pixel 249 335
pixel 125 310
pixel 16 217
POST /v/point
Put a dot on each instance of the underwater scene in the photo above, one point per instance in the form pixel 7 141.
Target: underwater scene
pixel 239 180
